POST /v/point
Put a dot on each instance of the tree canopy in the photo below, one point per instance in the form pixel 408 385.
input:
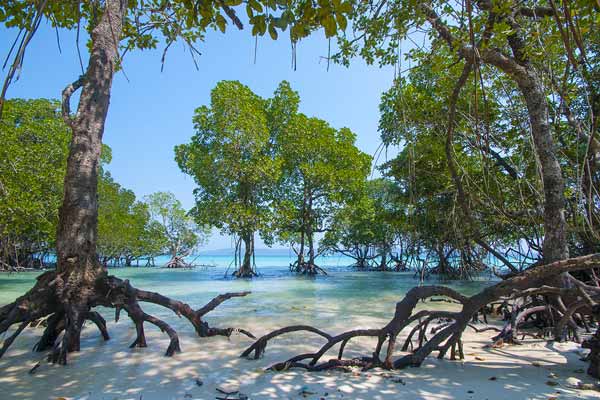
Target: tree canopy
pixel 322 170
pixel 229 158
pixel 176 232
pixel 34 144
pixel 33 148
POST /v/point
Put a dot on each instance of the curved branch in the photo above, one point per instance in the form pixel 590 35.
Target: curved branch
pixel 260 345
pixel 66 99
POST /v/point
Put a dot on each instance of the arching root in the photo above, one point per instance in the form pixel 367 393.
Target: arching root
pixel 65 310
pixel 307 268
pixel 530 286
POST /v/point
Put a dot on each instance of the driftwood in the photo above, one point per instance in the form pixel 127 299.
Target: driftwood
pixel 535 283
pixel 41 302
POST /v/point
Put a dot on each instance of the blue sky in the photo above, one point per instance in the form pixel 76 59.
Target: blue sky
pixel 152 112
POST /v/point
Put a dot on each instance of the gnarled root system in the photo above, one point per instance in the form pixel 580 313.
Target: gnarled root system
pixel 531 288
pixel 65 302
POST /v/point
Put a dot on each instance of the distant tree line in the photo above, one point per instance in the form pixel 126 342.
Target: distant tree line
pixel 33 148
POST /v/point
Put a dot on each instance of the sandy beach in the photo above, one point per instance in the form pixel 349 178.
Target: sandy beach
pixel 112 371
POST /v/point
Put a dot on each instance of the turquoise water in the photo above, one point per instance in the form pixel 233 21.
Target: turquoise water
pixel 276 293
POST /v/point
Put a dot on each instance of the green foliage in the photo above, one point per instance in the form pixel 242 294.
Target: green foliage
pixel 33 148
pixel 172 227
pixel 125 230
pixel 229 158
pixel 321 170
pixel 497 165
pixel 262 167
pixel 34 145
pixel 367 227
pixel 148 22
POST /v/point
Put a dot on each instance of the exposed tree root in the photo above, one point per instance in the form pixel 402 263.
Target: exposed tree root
pixel 307 268
pixel 529 286
pixel 65 311
pixel 593 344
pixel 178 262
pixel 244 272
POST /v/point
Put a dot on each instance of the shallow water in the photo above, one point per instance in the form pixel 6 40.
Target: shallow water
pixel 343 300
pixel 276 293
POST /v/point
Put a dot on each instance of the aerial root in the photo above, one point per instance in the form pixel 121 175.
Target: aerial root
pixel 542 304
pixel 64 312
pixel 307 268
pixel 8 341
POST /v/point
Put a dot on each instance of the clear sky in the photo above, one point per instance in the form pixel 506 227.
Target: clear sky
pixel 152 111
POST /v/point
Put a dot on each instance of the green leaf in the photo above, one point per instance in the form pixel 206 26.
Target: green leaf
pixel 345 7
pixel 330 26
pixel 255 5
pixel 221 22
pixel 272 32
pixel 280 23
pixel 342 22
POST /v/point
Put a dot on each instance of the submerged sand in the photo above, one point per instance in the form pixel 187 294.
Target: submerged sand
pixel 111 371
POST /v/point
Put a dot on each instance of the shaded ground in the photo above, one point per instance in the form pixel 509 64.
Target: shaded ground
pixel 112 371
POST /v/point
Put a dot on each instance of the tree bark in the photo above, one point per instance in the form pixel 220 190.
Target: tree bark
pixel 78 266
pixel 555 230
pixel 246 269
pixel 531 87
pixel 311 246
pixel 78 215
pixel 301 252
pixel 80 282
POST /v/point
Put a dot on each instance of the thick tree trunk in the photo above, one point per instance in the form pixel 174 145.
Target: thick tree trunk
pixel 531 87
pixel 530 84
pixel 555 232
pixel 78 266
pixel 78 215
pixel 80 282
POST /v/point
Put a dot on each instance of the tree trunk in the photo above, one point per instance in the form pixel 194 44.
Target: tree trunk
pixel 300 261
pixel 555 232
pixel 80 282
pixel 77 263
pixel 246 269
pixel 301 252
pixel 309 268
pixel 78 215
pixel 311 249
pixel 383 261
pixel 531 87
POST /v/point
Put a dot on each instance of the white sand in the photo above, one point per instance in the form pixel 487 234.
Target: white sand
pixel 110 370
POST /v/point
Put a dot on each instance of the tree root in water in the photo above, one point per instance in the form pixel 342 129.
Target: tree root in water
pixel 307 268
pixel 528 286
pixel 66 301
